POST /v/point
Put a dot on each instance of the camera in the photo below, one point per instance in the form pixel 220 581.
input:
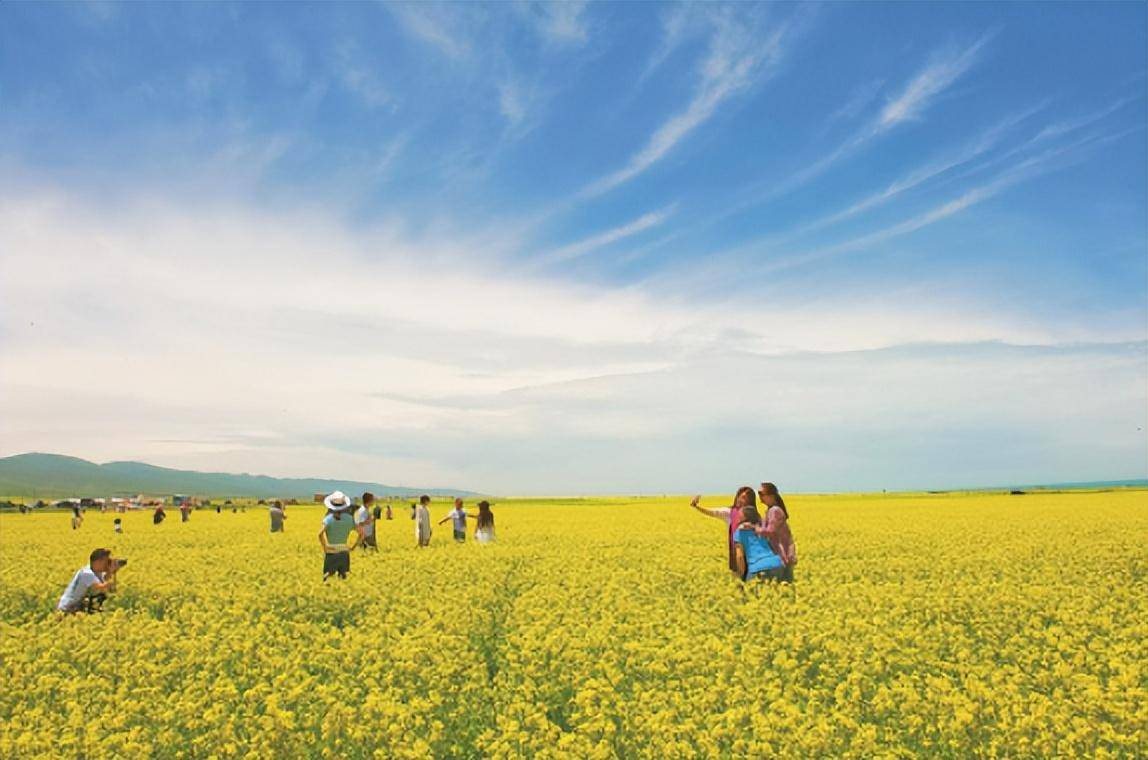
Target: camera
pixel 119 563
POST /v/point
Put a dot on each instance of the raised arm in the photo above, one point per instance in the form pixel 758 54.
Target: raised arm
pixel 720 514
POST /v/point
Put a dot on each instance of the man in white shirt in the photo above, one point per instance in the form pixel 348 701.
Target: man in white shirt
pixel 91 585
pixel 363 523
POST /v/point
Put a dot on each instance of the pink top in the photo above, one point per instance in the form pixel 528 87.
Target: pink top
pixel 776 529
pixel 732 517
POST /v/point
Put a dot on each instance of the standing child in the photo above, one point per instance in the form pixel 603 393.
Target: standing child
pixel 458 517
pixel 117 525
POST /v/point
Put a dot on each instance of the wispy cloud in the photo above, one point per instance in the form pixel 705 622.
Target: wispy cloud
pixel 440 25
pixel 987 140
pixel 360 78
pixel 947 67
pixel 582 247
pixel 561 23
pixel 1071 125
pixel 739 56
pixel 680 21
pixel 1027 169
pixel 862 95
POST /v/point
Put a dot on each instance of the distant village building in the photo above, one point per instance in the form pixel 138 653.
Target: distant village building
pixel 318 498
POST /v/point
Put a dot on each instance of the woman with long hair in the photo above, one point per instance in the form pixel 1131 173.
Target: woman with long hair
pixel 776 528
pixel 731 515
pixel 484 524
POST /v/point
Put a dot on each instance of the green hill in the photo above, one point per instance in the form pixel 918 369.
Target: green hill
pixel 53 475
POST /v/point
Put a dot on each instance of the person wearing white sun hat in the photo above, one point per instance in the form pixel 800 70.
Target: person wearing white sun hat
pixel 337 527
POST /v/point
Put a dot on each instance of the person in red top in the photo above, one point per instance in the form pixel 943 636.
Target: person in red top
pixel 776 528
pixel 732 517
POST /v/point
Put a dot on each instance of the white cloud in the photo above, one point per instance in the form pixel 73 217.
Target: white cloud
pixel 1029 168
pixel 858 100
pixel 562 23
pixel 232 339
pixel 360 79
pixel 738 56
pixel 582 247
pixel 988 140
pixel 1067 126
pixel 946 68
pixel 443 26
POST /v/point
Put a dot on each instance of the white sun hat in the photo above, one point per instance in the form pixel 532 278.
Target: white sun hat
pixel 337 502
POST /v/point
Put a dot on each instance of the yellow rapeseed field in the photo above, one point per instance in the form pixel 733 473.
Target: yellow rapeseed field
pixel 941 625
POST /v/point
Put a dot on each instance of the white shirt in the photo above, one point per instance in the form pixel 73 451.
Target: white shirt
pixel 362 515
pixel 83 580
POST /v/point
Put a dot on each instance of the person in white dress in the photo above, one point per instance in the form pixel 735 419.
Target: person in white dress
pixel 421 516
pixel 484 530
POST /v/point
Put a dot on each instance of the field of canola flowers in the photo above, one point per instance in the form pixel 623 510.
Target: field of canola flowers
pixel 944 625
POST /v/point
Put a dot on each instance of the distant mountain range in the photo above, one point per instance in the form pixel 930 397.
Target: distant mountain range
pixel 53 475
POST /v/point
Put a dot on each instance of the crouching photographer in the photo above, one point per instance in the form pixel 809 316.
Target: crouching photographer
pixel 91 585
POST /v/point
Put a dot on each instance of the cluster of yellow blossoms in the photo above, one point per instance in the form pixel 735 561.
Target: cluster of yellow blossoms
pixel 940 625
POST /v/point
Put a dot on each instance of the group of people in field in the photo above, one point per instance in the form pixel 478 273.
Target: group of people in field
pixel 760 542
pixel 340 532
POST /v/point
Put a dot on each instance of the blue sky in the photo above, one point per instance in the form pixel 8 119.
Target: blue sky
pixel 579 247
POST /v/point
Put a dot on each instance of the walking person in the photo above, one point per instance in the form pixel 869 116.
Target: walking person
pixel 421 515
pixel 159 515
pixel 484 524
pixel 731 515
pixel 390 512
pixel 458 517
pixel 277 515
pixel 776 528
pixel 77 517
pixel 337 527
